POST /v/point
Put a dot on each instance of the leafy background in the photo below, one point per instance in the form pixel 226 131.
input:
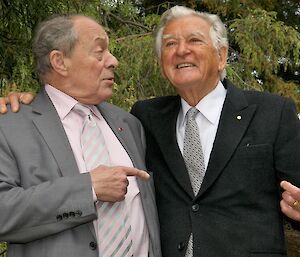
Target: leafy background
pixel 264 46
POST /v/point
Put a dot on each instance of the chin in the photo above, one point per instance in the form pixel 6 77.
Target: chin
pixel 103 97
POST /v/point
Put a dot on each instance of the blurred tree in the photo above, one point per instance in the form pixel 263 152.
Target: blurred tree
pixel 264 42
pixel 18 19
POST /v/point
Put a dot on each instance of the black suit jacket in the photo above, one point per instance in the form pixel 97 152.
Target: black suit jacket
pixel 236 212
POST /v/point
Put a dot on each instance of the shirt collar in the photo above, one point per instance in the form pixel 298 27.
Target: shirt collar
pixel 210 106
pixel 64 103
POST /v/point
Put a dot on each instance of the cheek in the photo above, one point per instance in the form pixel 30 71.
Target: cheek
pixel 166 65
pixel 98 68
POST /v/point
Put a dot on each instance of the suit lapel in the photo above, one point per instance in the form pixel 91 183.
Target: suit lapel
pixel 163 126
pixel 235 118
pixel 50 127
pixel 124 134
pixel 45 120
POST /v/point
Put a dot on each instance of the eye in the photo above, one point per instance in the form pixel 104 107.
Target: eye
pixel 99 54
pixel 170 43
pixel 195 40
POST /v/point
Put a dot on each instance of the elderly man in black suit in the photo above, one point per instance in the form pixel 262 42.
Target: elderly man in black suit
pixel 218 153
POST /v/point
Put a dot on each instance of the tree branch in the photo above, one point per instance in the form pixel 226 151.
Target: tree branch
pixel 3 252
pixel 129 22
pixel 133 36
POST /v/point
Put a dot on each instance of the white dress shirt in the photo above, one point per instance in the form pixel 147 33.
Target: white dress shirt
pixel 72 123
pixel 207 119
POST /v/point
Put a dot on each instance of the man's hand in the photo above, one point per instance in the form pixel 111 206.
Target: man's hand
pixel 110 183
pixel 14 99
pixel 290 203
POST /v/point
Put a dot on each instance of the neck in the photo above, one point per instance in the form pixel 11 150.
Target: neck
pixel 194 95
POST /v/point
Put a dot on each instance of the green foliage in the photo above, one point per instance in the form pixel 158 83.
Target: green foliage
pixel 18 19
pixel 257 45
pixel 267 47
pixel 138 74
pixel 2 249
pixel 264 43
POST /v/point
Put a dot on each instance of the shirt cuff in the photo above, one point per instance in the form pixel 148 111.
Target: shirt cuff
pixel 94 195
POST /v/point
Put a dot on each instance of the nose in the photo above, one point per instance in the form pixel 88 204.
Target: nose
pixel 112 61
pixel 182 48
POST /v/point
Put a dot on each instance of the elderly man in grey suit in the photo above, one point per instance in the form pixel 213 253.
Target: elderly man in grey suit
pixel 59 195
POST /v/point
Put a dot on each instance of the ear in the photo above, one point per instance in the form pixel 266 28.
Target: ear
pixel 58 62
pixel 222 58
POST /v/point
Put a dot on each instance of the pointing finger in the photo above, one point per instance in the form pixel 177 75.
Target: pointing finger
pixel 289 187
pixel 138 173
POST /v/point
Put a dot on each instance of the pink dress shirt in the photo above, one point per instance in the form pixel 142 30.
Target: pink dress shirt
pixel 72 123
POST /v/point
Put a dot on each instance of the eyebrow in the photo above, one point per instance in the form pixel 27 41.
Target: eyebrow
pixel 100 41
pixel 167 36
pixel 196 33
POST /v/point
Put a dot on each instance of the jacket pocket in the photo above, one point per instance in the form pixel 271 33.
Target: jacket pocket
pixel 271 253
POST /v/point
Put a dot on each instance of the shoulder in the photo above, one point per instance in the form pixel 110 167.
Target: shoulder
pixel 105 106
pixel 157 102
pixel 270 103
pixel 154 104
pixel 259 98
pixel 111 110
pixel 268 107
pixel 264 97
pixel 22 114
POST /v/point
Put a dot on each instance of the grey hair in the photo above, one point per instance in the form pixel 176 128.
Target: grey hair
pixel 218 32
pixel 55 33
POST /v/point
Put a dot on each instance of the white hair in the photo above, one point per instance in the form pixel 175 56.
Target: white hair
pixel 218 32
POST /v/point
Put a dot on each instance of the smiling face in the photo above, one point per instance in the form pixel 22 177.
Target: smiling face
pixel 91 66
pixel 189 60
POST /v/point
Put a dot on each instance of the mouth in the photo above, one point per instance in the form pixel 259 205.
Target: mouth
pixel 112 79
pixel 184 65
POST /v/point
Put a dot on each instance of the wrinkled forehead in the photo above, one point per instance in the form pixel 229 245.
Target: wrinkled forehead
pixel 186 26
pixel 88 27
pixel 188 34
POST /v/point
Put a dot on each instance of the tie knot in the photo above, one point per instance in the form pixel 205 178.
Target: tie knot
pixel 192 112
pixel 82 110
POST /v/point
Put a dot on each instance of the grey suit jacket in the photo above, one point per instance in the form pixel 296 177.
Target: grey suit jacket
pixel 46 205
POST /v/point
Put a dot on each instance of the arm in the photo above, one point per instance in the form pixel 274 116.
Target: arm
pixel 36 201
pixel 287 160
pixel 39 202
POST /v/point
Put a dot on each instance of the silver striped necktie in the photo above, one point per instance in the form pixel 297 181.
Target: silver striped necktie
pixel 114 229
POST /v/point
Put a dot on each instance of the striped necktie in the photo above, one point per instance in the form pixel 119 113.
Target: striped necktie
pixel 114 229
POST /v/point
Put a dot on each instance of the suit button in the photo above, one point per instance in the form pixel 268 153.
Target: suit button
pixel 180 246
pixel 65 215
pixel 59 217
pixel 93 245
pixel 78 213
pixel 195 207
